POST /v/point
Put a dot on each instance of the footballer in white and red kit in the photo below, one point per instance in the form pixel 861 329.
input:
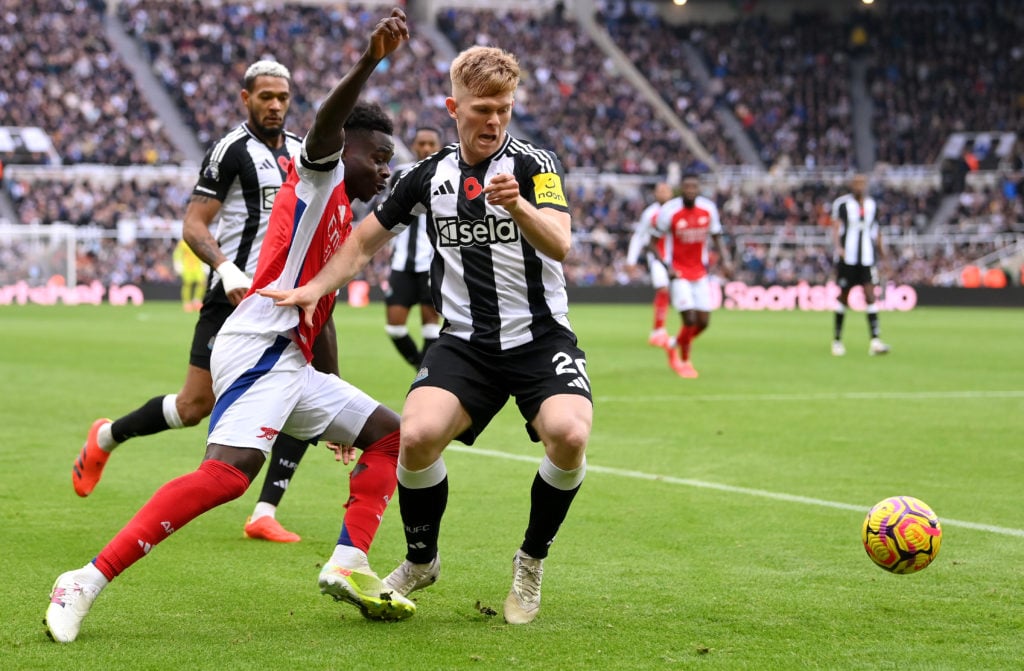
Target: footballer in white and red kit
pixel 684 225
pixel 638 244
pixel 312 216
pixel 262 378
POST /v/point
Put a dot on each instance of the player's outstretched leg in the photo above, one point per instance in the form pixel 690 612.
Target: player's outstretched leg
pixel 71 599
pixel 347 576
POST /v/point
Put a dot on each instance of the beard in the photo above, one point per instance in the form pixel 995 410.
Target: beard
pixel 269 133
pixel 689 202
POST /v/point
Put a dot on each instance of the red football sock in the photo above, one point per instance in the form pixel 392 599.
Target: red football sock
pixel 371 485
pixel 660 307
pixel 171 507
pixel 685 339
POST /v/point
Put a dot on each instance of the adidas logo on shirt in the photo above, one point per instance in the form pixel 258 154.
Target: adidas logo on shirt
pixel 444 189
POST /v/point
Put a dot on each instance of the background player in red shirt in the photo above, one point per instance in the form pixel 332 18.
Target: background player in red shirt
pixel 684 224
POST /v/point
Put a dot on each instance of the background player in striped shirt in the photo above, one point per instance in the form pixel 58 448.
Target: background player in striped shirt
pixel 684 224
pixel 262 378
pixel 238 181
pixel 500 225
pixel 858 248
pixel 409 280
pixel 638 244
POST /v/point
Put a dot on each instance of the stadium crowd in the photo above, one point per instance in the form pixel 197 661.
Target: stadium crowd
pixel 779 80
pixel 201 61
pixel 778 236
pixel 87 202
pixel 78 90
pixel 573 99
pixel 941 67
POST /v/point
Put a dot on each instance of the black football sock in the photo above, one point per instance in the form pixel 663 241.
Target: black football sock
pixel 873 326
pixel 422 510
pixel 406 346
pixel 837 332
pixel 422 499
pixel 548 508
pixel 284 459
pixel 144 421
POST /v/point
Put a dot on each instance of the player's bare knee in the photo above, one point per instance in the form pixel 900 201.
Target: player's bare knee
pixel 194 411
pixel 569 442
pixel 419 446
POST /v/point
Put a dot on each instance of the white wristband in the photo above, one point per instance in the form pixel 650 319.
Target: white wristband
pixel 232 278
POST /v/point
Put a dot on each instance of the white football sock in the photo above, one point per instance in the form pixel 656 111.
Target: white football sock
pixel 263 509
pixel 105 438
pixel 170 408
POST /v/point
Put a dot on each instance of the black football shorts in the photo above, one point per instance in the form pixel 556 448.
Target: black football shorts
pixel 483 380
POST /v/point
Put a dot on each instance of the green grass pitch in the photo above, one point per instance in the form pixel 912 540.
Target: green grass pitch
pixel 718 527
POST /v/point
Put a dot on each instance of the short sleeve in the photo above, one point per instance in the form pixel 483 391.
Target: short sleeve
pixel 216 175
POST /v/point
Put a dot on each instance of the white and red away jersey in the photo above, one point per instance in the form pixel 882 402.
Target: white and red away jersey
pixel 311 218
pixel 685 232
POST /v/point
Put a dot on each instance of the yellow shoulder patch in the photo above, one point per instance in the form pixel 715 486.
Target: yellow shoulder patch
pixel 547 188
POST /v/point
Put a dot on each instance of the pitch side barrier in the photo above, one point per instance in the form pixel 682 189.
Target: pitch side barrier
pixel 803 296
pixel 728 296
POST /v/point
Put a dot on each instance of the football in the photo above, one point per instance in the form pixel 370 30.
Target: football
pixel 901 534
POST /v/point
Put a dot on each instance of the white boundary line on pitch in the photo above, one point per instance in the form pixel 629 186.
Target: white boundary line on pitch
pixel 762 493
pixel 837 396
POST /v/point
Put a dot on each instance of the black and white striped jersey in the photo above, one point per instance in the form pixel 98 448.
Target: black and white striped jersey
pixel 492 287
pixel 242 172
pixel 411 250
pixel 858 229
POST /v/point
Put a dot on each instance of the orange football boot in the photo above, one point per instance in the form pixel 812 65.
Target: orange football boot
pixel 267 528
pixel 88 467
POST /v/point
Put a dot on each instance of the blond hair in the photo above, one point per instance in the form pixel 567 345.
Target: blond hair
pixel 264 68
pixel 484 72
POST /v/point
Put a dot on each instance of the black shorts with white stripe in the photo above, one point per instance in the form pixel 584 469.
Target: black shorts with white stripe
pixel 850 275
pixel 550 365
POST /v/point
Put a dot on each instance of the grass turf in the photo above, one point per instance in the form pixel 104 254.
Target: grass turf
pixel 718 527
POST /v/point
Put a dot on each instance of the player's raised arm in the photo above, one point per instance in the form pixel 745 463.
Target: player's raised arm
pixel 326 136
pixel 366 239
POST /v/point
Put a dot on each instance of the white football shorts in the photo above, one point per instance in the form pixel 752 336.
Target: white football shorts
pixel 265 387
pixel 691 294
pixel 659 275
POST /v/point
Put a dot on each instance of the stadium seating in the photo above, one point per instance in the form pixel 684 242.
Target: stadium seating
pixel 941 67
pixel 76 89
pixel 786 82
pixel 571 99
